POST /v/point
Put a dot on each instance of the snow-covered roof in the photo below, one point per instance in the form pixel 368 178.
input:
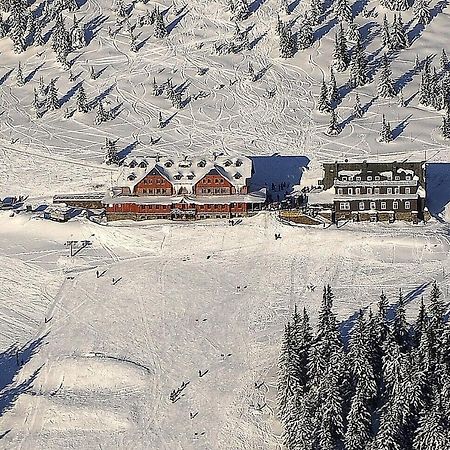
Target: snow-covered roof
pixel 185 171
pixel 254 197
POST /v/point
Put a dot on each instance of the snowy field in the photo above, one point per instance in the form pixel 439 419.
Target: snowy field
pixel 202 297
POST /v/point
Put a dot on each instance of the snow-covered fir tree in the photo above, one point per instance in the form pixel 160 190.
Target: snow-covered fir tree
pixel 333 128
pixel 445 127
pixel 385 84
pixel 19 75
pixel 422 12
pixel 358 66
pixel 352 33
pixel 343 10
pixel 401 100
pixel 432 432
pixel 81 101
pixel 284 7
pixel 305 36
pixel 37 104
pixel 161 121
pixel 160 29
pixel 358 110
pixel 341 57
pixel 251 74
pixel 3 28
pixel 77 34
pixel 315 12
pixel 386 133
pixel 288 42
pixel 52 101
pixel 38 34
pixel 333 92
pixel 386 33
pixel 443 60
pixel 398 5
pixel 425 89
pixel 133 44
pixel 111 156
pixel 399 38
pixel 323 104
pixel 177 100
pixel 102 115
pixel 239 9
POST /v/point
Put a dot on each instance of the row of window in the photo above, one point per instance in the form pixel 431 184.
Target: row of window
pixel 214 190
pixel 157 191
pixel 370 178
pixel 345 206
pixel 369 190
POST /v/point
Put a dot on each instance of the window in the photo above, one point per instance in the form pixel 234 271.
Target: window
pixel 377 190
pixel 395 205
pixel 408 177
pixel 361 206
pixel 407 190
pixel 407 205
pixel 358 178
pixel 373 205
pixel 357 191
pixel 397 178
pixel 345 206
pixel 383 205
pixel 350 191
pixel 377 178
pixel 340 191
pixel 344 178
pixel 369 190
pixel 389 190
pixel 397 190
pixel 369 178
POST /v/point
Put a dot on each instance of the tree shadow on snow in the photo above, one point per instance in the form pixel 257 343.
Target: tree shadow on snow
pixel 324 29
pixel 30 76
pixel 404 79
pixel 11 361
pixel 176 21
pixel 114 112
pixel 293 5
pixel 358 7
pixel 256 41
pixel 101 96
pixel 254 6
pixel 93 27
pixel 68 95
pixel 398 130
pixel 6 76
pixel 368 32
pixel 142 43
pixel 438 187
pixel 127 150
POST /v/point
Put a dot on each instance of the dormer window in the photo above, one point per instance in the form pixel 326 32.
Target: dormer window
pixel 238 163
pixel 131 177
pixel 143 164
pixel 408 177
pixel 178 176
pixel 168 163
pixel 237 175
pixel 184 164
pixel 133 164
pixel 191 176
pixel 201 163
pixel 227 163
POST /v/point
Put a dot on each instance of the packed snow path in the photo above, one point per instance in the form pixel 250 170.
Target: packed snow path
pixel 187 300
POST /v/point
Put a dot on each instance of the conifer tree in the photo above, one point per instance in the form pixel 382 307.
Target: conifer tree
pixel 425 89
pixel 316 11
pixel 305 36
pixel 358 111
pixel 422 12
pixel 386 34
pixel 445 128
pixel 341 59
pixel 353 33
pixel 82 105
pixel 102 115
pixel 324 103
pixel 399 38
pixel 358 66
pixel 359 423
pixel 177 100
pixel 3 28
pixel 52 96
pixel 400 326
pixel 343 10
pixel 431 432
pixel 386 133
pixel 19 75
pixel 111 156
pixel 332 90
pixel 239 9
pixel 133 46
pixel 443 61
pixel 36 104
pixel 421 323
pixel 385 85
pixel 288 44
pixel 284 6
pixel 401 100
pixel 42 90
pixel 160 29
pixel 334 128
pixel 38 36
pixel 161 122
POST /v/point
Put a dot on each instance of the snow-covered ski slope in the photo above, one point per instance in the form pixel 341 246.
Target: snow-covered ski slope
pixel 224 111
pixel 103 358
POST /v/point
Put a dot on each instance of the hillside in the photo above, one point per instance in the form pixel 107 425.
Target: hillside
pixel 223 110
